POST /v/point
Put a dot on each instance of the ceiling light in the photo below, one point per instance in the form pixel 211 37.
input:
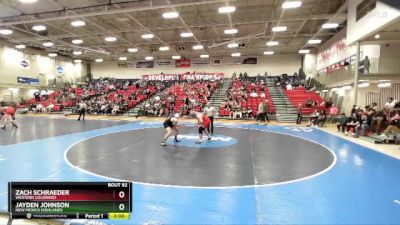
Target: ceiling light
pixel 325 90
pixel 77 41
pixel 77 53
pixel 279 29
pixel 227 9
pixel 314 41
pixel 272 43
pixel 317 92
pixel 236 54
pixel 377 36
pixel 122 58
pixel 39 28
pixel 230 31
pixel 197 47
pixel 164 48
pixel 187 34
pixel 147 36
pixel 347 87
pixel 362 85
pixel 384 85
pixel 148 58
pixel 304 51
pixel 291 5
pixel 330 25
pixel 204 56
pixel 78 23
pixel 170 15
pixel 20 46
pixel 27 1
pixel 268 53
pixel 132 49
pixel 334 89
pixel 48 44
pixel 77 61
pixel 52 54
pixel 6 31
pixel 110 39
pixel 98 60
pixel 176 57
pixel 233 45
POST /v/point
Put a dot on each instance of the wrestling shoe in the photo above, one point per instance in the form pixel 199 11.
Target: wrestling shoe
pixel 3 127
pixel 198 142
pixel 177 140
pixel 209 138
pixel 15 126
pixel 163 143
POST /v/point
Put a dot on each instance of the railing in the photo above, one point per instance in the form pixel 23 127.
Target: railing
pixel 378 66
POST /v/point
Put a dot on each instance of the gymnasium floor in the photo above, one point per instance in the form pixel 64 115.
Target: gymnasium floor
pixel 249 174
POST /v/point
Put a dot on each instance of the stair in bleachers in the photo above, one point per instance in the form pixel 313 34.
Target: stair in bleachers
pixel 218 97
pixel 285 112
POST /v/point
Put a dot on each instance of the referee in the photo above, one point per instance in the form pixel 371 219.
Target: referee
pixel 210 112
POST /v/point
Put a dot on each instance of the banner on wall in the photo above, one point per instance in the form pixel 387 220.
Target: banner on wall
pixel 182 63
pixel 25 63
pixel 201 62
pixel 249 60
pixel 27 80
pixel 185 76
pixel 164 62
pixel 145 64
pixel 123 65
pixel 217 62
pixel 60 70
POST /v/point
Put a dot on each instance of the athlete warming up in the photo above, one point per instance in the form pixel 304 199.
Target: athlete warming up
pixel 203 122
pixel 170 124
pixel 9 115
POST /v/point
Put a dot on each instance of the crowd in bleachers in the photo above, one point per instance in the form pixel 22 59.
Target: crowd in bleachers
pixel 181 97
pixel 372 121
pixel 245 97
pixel 102 96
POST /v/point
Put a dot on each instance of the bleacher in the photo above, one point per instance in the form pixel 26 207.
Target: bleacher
pixel 300 95
pixel 61 99
pixel 197 90
pixel 250 102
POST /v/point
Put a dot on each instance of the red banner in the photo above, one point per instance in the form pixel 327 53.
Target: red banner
pixel 182 63
pixel 185 76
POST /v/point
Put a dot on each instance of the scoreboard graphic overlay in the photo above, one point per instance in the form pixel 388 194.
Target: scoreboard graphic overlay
pixel 70 200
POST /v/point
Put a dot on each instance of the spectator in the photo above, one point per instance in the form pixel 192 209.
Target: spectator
pixel 313 118
pixel 309 102
pixel 289 87
pixel 342 123
pixel 354 122
pixel 363 126
pixel 377 121
pixel 333 112
pixel 367 64
pixel 36 94
pixel 299 113
pixel 394 126
pixel 321 118
pixel 329 103
pixel 253 94
pixel 390 104
pixel 374 106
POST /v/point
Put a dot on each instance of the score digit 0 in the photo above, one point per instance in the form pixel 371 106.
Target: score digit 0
pixel 121 207
pixel 121 194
